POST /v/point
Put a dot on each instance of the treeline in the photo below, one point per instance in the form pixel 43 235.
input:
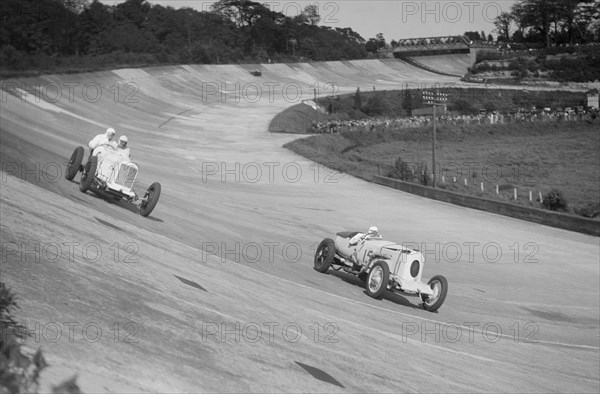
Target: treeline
pixel 547 23
pixel 230 31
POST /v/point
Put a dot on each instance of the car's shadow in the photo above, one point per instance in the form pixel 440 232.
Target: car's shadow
pixel 396 298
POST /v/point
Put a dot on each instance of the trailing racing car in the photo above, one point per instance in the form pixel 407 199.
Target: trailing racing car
pixel 383 265
pixel 108 172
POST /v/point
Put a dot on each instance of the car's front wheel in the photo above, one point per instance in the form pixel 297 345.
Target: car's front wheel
pixel 153 194
pixel 89 172
pixel 324 255
pixel 378 279
pixel 74 163
pixel 439 285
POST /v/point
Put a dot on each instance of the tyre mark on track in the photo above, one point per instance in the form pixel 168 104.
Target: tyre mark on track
pixel 173 117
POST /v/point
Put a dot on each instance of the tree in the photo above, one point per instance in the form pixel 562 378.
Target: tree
pixel 134 11
pixel 503 23
pixel 472 35
pixel 407 101
pixel 309 15
pixel 586 22
pixel 350 35
pixel 242 12
pixel 570 12
pixel 517 12
pixel 371 45
pixel 357 99
pixel 380 41
pixel 538 15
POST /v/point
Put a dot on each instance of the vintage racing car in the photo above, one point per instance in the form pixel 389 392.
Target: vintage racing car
pixel 108 172
pixel 383 265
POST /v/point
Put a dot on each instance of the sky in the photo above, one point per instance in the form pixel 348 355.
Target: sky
pixel 395 19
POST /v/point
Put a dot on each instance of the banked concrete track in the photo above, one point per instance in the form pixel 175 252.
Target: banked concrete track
pixel 455 64
pixel 215 291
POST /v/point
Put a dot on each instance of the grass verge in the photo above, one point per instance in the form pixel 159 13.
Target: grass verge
pixel 528 157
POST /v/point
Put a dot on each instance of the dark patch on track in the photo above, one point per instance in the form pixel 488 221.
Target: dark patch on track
pixel 190 283
pixel 108 224
pixel 319 374
pixel 552 316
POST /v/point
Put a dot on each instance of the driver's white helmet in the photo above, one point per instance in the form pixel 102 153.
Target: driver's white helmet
pixel 110 132
pixel 123 139
pixel 373 230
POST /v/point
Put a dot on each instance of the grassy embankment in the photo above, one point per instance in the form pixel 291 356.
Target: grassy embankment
pixel 536 157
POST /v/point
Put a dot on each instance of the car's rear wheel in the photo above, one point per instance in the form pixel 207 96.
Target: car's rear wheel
pixel 324 255
pixel 439 285
pixel 89 172
pixel 378 279
pixel 74 163
pixel 152 194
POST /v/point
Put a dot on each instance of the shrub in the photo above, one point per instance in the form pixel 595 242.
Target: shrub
pixel 401 171
pixel 554 201
pixel 19 373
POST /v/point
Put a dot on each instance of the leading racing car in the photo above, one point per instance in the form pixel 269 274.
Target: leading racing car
pixel 109 173
pixel 383 265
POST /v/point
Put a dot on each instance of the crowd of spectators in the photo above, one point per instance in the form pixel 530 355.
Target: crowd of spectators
pixel 495 117
pixel 409 44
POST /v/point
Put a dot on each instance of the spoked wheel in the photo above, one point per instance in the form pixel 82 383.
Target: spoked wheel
pixel 324 255
pixel 378 279
pixel 153 194
pixel 89 173
pixel 74 163
pixel 439 285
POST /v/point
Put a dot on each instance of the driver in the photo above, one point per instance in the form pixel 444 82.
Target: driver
pixel 103 139
pixel 123 149
pixel 372 233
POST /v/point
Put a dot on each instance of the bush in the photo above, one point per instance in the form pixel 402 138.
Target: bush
pixel 462 106
pixel 377 106
pixel 554 201
pixel 401 171
pixel 19 373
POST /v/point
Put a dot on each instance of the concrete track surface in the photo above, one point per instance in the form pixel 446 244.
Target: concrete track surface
pixel 456 64
pixel 215 291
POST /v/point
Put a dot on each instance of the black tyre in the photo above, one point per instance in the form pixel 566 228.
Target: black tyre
pixel 324 255
pixel 74 163
pixel 153 194
pixel 378 279
pixel 439 284
pixel 89 172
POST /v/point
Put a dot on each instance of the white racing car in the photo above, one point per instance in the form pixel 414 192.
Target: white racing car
pixel 383 265
pixel 109 173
